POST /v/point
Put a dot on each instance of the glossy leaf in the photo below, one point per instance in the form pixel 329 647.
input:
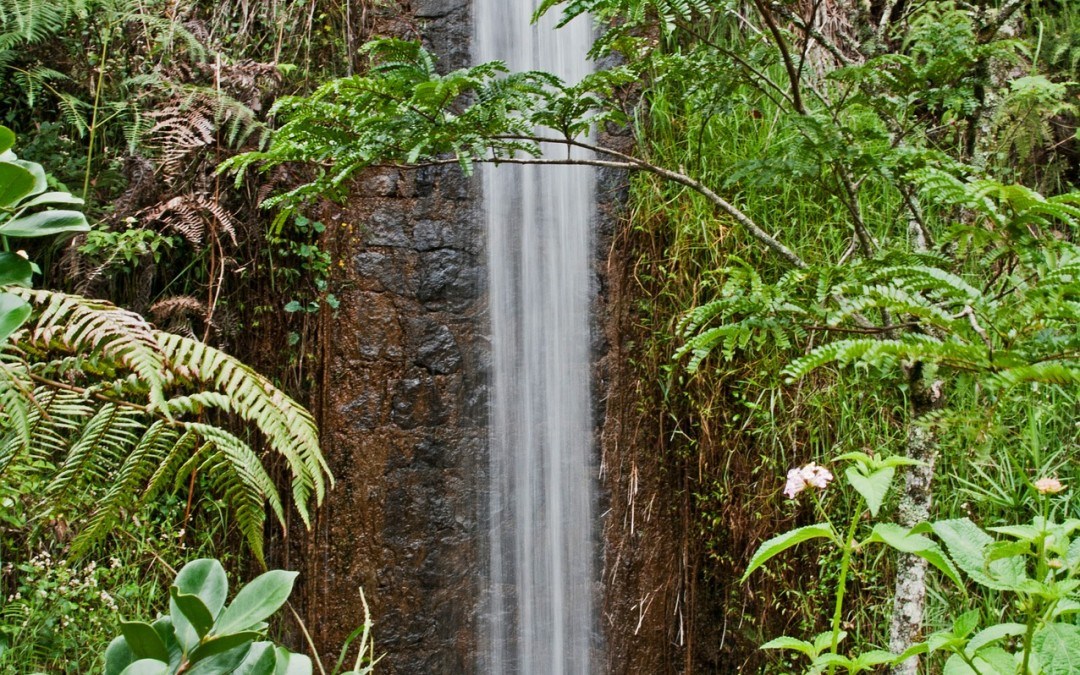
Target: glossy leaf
pixel 45 223
pixel 15 269
pixel 289 663
pixel 206 579
pixel 144 641
pixel 193 609
pixel 225 662
pixel 14 311
pixel 7 138
pixel 146 667
pixel 216 645
pixel 256 601
pixel 118 656
pixel 65 198
pixel 261 659
pixel 15 184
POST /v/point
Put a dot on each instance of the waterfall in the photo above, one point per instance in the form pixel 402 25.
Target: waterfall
pixel 540 615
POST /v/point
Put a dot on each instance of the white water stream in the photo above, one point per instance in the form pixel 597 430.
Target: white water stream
pixel 540 615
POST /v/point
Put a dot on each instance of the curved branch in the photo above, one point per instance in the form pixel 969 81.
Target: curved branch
pixel 632 164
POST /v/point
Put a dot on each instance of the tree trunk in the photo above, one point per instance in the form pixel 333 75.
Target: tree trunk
pixel 909 602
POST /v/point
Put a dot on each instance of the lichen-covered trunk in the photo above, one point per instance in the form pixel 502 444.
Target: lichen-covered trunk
pixel 909 602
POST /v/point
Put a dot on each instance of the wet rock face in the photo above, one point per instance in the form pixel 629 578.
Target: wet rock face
pixel 403 421
pixel 402 405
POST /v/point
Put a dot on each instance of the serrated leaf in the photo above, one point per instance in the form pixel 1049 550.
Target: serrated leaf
pixel 793 644
pixel 783 542
pixel 967 545
pixel 874 487
pixel 906 541
pixel 1058 647
pixel 992 634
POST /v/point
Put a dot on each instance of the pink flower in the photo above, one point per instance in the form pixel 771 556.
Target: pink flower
pixel 1048 486
pixel 817 475
pixel 812 475
pixel 795 483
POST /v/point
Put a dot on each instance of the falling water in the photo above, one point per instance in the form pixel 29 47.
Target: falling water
pixel 540 611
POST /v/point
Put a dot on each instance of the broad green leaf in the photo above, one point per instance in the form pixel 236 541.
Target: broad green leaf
pixel 1058 647
pixel 783 542
pixel 1021 532
pixel 823 641
pixel 255 602
pixel 216 645
pixel 793 644
pixel 943 639
pixel 204 578
pixel 966 622
pixel 146 667
pixel 900 460
pixel 225 662
pixel 261 659
pixel 15 184
pixel 967 546
pixel 40 182
pixel 874 487
pixel 903 540
pixel 1001 550
pixel 991 661
pixel 45 223
pixel 193 609
pixel 118 656
pixel 65 198
pixel 7 138
pixel 992 634
pixel 289 663
pixel 144 641
pixel 875 657
pixel 15 269
pixel 14 311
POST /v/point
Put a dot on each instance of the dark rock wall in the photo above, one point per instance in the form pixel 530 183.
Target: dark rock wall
pixel 403 404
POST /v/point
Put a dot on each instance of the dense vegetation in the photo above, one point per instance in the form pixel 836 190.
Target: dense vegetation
pixel 857 235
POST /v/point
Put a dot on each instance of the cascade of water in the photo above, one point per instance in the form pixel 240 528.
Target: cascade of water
pixel 540 594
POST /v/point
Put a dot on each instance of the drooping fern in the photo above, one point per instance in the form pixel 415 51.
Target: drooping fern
pixel 110 412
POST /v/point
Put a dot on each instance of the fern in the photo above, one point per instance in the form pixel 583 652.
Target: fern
pixel 85 405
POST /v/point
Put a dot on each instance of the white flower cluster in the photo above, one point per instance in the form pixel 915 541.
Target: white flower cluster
pixel 811 475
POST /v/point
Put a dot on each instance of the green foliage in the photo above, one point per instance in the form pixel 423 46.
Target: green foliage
pixel 91 433
pixel 24 213
pixel 402 110
pixel 203 634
